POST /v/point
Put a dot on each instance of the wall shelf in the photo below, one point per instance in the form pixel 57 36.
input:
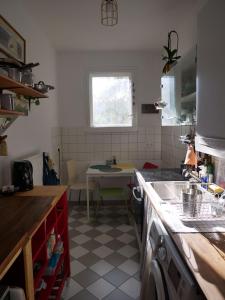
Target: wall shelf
pixel 7 83
pixel 11 113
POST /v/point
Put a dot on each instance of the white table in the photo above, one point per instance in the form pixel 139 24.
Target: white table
pixel 95 173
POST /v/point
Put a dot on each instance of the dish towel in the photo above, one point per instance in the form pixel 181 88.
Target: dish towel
pixel 191 157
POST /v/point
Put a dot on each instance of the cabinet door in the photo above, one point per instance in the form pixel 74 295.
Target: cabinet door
pixel 211 79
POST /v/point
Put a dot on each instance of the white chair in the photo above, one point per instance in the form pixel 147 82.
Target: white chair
pixel 73 183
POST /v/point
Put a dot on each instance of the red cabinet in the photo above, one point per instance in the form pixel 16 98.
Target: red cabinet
pixel 50 253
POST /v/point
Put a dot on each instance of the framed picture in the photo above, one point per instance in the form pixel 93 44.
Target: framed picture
pixel 12 44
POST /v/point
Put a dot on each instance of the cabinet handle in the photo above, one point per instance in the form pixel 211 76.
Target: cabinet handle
pixel 133 191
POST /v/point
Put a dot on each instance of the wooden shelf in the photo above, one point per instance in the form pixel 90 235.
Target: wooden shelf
pixel 19 88
pixel 11 113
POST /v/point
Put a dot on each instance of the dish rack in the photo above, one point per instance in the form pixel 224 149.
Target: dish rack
pixel 207 208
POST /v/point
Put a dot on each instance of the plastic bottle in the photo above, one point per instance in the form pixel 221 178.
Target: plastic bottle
pixel 210 170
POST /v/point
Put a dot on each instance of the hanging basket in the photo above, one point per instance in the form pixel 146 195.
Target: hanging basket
pixel 171 56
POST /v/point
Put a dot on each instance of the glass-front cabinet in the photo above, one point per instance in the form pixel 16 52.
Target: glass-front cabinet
pixel 178 91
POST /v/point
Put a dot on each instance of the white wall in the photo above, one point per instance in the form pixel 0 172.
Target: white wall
pixel 73 71
pixel 33 133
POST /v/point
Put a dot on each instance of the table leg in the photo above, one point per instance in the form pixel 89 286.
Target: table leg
pixel 88 204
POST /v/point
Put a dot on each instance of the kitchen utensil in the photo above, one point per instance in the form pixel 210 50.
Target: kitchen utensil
pixel 6 101
pixel 27 75
pixel 191 199
pixel 11 68
pixel 42 87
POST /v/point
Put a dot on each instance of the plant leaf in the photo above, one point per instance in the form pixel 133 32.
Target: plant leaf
pixel 173 52
pixel 166 48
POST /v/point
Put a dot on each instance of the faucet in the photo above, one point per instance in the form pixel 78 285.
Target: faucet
pixel 189 173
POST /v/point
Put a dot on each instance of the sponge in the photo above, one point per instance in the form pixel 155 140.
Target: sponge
pixel 216 189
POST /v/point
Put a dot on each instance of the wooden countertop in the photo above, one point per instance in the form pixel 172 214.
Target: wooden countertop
pixel 204 254
pixel 20 216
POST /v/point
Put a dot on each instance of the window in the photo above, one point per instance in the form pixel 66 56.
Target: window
pixel 111 100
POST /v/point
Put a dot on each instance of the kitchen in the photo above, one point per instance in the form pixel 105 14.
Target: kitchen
pixel 101 252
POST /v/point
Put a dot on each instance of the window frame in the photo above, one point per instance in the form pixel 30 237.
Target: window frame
pixel 111 74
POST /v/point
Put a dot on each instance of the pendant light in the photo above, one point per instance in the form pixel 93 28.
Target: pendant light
pixel 109 12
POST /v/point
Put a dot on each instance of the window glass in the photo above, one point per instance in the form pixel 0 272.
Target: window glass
pixel 111 100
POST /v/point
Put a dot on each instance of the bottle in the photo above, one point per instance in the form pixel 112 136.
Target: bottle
pixel 114 160
pixel 203 175
pixel 210 170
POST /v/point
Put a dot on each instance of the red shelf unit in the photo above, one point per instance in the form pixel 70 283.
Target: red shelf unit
pixel 57 221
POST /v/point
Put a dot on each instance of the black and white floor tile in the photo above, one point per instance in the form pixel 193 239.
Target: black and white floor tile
pixel 104 256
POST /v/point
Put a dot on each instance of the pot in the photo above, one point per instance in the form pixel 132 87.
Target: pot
pixel 42 87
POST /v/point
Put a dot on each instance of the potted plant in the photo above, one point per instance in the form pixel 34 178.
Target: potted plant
pixel 171 56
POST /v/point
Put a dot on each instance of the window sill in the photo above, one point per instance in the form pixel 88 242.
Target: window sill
pixel 111 129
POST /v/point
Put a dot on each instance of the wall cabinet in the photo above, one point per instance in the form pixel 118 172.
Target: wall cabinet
pixel 178 90
pixel 211 79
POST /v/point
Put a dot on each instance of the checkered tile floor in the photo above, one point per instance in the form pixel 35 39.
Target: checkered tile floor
pixel 104 256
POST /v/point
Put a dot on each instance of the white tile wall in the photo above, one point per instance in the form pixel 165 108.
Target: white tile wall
pixel 87 146
pixel 173 151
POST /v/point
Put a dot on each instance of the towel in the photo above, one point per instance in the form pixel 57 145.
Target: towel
pixel 191 157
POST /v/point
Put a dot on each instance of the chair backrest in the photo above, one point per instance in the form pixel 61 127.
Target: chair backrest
pixel 71 171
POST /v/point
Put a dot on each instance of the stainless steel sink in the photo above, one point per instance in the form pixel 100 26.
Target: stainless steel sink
pixel 171 195
pixel 170 190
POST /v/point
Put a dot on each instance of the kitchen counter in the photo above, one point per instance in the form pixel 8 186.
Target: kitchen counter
pixel 205 256
pixel 203 253
pixel 151 175
pixel 20 217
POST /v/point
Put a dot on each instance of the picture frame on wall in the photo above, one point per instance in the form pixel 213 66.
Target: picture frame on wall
pixel 12 44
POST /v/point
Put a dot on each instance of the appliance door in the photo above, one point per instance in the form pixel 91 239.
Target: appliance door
pixel 153 286
pixel 137 207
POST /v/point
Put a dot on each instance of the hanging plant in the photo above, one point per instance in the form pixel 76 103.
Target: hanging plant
pixel 171 56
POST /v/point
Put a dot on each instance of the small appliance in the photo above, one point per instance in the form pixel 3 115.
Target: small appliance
pixel 23 175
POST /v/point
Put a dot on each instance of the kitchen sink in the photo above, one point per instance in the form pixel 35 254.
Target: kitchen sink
pixel 203 206
pixel 170 190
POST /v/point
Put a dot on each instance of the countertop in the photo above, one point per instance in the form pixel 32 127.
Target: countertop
pixel 204 254
pixel 151 175
pixel 20 217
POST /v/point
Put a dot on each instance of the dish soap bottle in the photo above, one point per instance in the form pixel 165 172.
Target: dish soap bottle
pixel 114 160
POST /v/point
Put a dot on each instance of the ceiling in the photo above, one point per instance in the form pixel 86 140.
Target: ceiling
pixel 143 24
